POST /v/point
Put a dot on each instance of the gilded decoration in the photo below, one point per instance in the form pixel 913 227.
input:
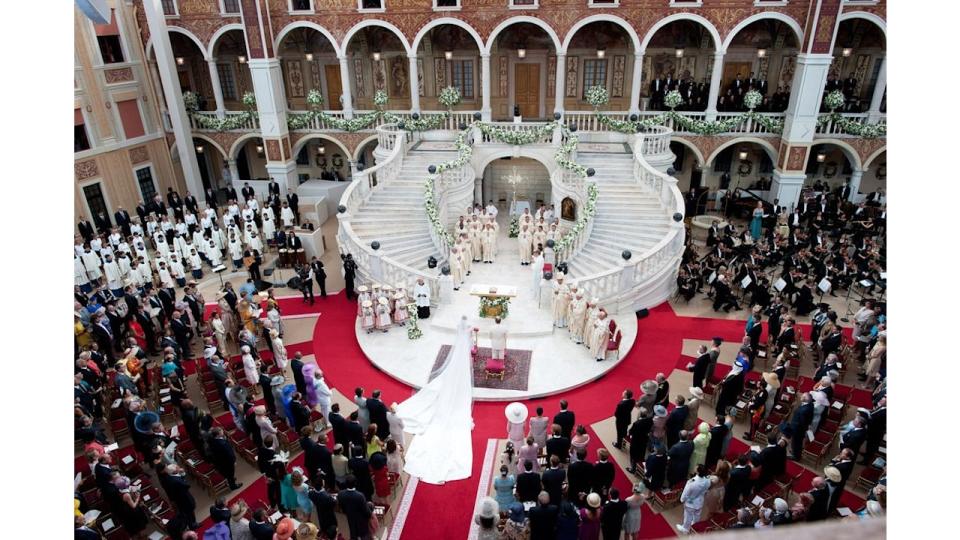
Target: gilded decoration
pixel 86 169
pixel 118 75
pixel 139 155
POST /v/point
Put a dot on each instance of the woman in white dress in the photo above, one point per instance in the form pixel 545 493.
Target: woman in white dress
pixel 601 334
pixel 279 351
pixel 219 331
pixel 249 366
pixel 383 315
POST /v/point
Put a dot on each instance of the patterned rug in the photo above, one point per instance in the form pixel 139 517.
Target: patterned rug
pixel 515 378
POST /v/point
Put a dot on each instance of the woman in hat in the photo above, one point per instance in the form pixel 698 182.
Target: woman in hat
pixel 590 518
pixel 306 531
pixel 631 519
pixel 517 526
pixel 648 394
pixel 263 422
pixel 363 294
pixel 487 519
pixel 239 524
pixel 279 351
pixel 700 444
pixel 367 316
pixel 516 414
pixel 659 432
pixel 693 408
pixel 285 529
pixel 129 509
pixel 400 314
pixel 383 321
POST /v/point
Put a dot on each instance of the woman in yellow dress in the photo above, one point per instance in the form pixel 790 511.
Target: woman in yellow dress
pixel 80 333
pixel 247 317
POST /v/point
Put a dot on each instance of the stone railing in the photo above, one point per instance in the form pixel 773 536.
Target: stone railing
pixel 747 126
pixel 371 265
pixel 830 128
pixel 548 136
pixel 569 184
pixel 587 120
pixel 648 279
pixel 452 192
pixel 251 124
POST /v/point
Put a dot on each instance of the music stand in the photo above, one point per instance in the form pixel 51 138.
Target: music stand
pixel 219 270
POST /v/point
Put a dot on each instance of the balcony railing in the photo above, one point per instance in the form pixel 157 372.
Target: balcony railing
pixel 830 128
pixel 252 124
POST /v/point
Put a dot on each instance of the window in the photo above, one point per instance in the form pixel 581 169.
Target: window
pixel 228 84
pixel 145 180
pixel 524 3
pixel 169 7
pixel 80 140
pixel 96 203
pixel 108 40
pixel 370 4
pixel 603 3
pixel 300 5
pixel 686 3
pixel 130 118
pixel 461 77
pixel 231 6
pixel 594 74
pixel 442 5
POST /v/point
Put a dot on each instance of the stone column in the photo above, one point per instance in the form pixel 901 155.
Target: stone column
pixel 878 92
pixel 716 79
pixel 217 91
pixel 485 110
pixel 478 190
pixel 234 172
pixel 347 101
pixel 559 80
pixel 414 84
pixel 855 177
pixel 786 187
pixel 267 81
pixel 167 68
pixel 806 92
pixel 637 86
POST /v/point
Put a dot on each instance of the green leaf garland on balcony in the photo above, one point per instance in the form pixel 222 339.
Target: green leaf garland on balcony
pixel 230 122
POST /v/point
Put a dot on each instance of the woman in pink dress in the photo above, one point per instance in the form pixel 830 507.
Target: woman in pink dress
pixel 529 452
pixel 580 440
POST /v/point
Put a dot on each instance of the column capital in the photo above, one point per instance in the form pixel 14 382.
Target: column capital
pixel 561 53
pixel 212 60
pixel 413 56
pixel 485 54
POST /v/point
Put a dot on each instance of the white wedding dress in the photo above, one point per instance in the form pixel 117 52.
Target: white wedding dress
pixel 440 417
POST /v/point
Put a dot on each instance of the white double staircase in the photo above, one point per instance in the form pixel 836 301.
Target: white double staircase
pixel 383 221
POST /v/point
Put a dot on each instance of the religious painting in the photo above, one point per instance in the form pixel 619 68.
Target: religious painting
pixel 860 72
pixel 568 209
pixel 619 65
pixel 439 75
pixel 763 68
pixel 663 65
pixel 572 77
pixel 358 76
pixel 551 76
pixel 687 68
pixel 502 76
pixel 380 75
pixel 787 67
pixel 420 90
pixel 315 76
pixel 294 78
pixel 646 74
pixel 399 77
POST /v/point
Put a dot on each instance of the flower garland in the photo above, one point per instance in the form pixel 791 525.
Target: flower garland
pixel 588 212
pixel 833 101
pixel 413 329
pixel 597 96
pixel 514 227
pixel 516 137
pixel 449 97
pixel 424 123
pixel 502 302
pixel 430 206
pixel 192 103
pixel 562 155
pixel 464 151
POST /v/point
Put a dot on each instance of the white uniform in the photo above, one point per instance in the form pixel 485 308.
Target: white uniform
pixel 323 396
pixel 286 216
pixel 79 272
pixel 498 341
pixel 114 278
pixel 91 262
pixel 268 227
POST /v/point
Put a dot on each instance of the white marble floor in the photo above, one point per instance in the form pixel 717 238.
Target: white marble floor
pixel 557 363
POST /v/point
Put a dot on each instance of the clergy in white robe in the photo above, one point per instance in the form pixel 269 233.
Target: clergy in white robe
pixel 269 229
pixel 163 271
pixel 163 248
pixel 80 278
pixel 286 216
pixel 236 251
pixel 252 240
pixel 279 351
pixel 177 270
pixel 492 210
pixel 456 268
pixel 196 264
pixel 577 317
pixel 600 335
pixel 213 254
pixel 421 296
pixel 489 241
pixel 539 238
pixel 560 301
pixel 524 244
pixel 464 246
pixel 498 340
pixel 591 317
pixel 146 273
pixel 537 266
pixel 181 245
pixel 476 244
pixel 218 237
pixel 114 277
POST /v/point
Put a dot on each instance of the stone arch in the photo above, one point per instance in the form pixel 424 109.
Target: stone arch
pixel 775 15
pixel 218 34
pixel 203 50
pixel 848 151
pixel 306 24
pixel 875 19
pixel 374 22
pixel 696 150
pixel 487 159
pixel 679 17
pixel 242 140
pixel 869 161
pixel 522 19
pixel 766 145
pixel 634 38
pixel 440 22
pixel 210 141
pixel 355 155
pixel 302 141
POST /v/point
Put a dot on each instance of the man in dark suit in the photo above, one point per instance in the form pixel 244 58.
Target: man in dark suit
pixel 565 419
pixel 718 432
pixel 579 477
pixel 338 423
pixel 359 466
pixel 603 473
pixel 876 430
pixel 855 438
pixel 553 479
pixel 655 468
pixel 820 508
pixel 622 416
pixel 543 518
pixel 175 484
pixel 300 412
pixel 86 229
pixel 354 505
pixel 122 217
pixel 558 445
pixel 755 331
pixel 528 483
pixel 353 432
pixel 182 332
pixel 223 457
pixel 774 460
pixel 320 275
pixel 739 484
pixel 675 421
pixel 296 365
pixel 843 463
pixel 260 528
pixel 679 460
pixel 799 424
pixel 663 391
pixel 246 191
pixel 611 517
pixel 378 415
pixel 699 367
pixel 316 458
pixel 326 506
pixel 640 438
pixel 191 203
pixel 294 201
pixel 210 197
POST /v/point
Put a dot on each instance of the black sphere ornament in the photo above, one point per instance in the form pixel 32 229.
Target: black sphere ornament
pixel 432 169
pixel 477 116
pixel 401 125
pixel 360 167
pixel 626 254
pixel 431 262
pixel 445 270
pixel 573 128
pixel 342 209
pixel 375 245
pixel 671 171
pixel 550 243
pixel 633 117
pixel 548 275
pixel 415 116
pixel 678 217
pixel 557 115
pixel 462 126
pixel 591 171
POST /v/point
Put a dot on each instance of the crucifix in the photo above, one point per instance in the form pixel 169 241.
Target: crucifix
pixel 514 179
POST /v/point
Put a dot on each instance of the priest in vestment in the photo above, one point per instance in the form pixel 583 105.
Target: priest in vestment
pixel 577 317
pixel 560 301
pixel 601 333
pixel 456 268
pixel 489 240
pixel 524 244
pixel 498 340
pixel 537 272
pixel 421 296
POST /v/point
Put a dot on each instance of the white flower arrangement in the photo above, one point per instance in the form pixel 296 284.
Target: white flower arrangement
pixel 590 209
pixel 449 97
pixel 413 329
pixel 227 123
pixel 673 99
pixel 517 137
pixel 380 98
pixel 752 99
pixel 191 101
pixel 502 302
pixel 424 123
pixel 597 96
pixel 314 98
pixel 433 215
pixel 834 100
pixel 514 227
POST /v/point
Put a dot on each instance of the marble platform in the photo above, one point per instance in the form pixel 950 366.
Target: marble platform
pixel 557 365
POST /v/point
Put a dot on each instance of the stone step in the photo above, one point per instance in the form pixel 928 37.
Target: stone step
pixel 616 244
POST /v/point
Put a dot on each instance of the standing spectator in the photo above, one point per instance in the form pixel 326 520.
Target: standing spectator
pixel 611 516
pixel 692 499
pixel 622 415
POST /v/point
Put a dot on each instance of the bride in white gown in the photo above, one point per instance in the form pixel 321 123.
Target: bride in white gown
pixel 440 417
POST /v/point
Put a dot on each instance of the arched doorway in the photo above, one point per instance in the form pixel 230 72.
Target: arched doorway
pixel 858 64
pixel 323 158
pixel 688 166
pixel 679 56
pixel 449 55
pixel 521 54
pixel 829 166
pixel 764 54
pixel 378 61
pixel 605 53
pixel 875 176
pixel 230 51
pixel 192 70
pixel 534 186
pixel 744 164
pixel 212 162
pixel 309 62
pixel 251 160
pixel 364 153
